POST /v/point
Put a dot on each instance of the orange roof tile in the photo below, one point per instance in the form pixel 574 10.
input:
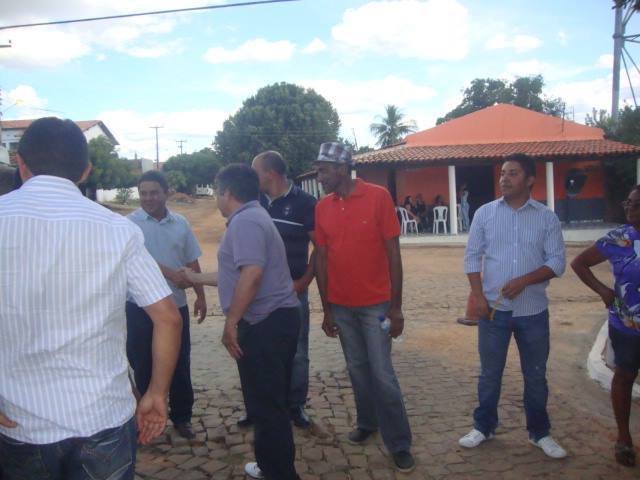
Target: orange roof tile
pixel 503 123
pixel 574 149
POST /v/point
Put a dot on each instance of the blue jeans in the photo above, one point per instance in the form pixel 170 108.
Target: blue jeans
pixel 107 455
pixel 300 374
pixel 139 337
pixel 367 351
pixel 532 337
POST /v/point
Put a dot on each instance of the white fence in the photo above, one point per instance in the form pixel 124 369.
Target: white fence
pixel 110 195
pixel 204 190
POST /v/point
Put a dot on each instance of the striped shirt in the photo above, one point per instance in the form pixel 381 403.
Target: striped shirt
pixel 513 243
pixel 66 264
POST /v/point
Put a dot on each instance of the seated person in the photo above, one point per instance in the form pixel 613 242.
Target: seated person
pixel 421 212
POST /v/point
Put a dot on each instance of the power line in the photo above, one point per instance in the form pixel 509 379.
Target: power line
pixel 181 142
pixel 157 12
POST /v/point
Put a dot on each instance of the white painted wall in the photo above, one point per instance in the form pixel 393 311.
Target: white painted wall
pixel 110 195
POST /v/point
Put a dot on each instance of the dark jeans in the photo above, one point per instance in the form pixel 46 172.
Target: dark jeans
pixel 107 455
pixel 532 337
pixel 265 374
pixel 139 336
pixel 300 375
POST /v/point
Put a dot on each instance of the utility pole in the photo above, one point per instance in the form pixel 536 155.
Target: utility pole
pixel 618 42
pixel 181 142
pixel 157 152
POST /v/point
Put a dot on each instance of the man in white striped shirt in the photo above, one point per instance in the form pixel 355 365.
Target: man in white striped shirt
pixel 66 264
pixel 516 243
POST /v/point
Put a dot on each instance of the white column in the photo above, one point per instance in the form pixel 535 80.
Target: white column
pixel 453 209
pixel 551 203
pixel 638 171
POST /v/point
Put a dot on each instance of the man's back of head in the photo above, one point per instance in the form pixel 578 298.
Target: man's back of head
pixel 51 146
pixel 272 161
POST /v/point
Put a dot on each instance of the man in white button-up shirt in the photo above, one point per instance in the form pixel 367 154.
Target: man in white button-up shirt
pixel 66 265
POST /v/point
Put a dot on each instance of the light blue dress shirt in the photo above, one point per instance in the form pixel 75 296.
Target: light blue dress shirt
pixel 170 242
pixel 505 244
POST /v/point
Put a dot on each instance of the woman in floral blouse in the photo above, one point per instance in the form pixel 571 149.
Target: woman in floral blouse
pixel 621 247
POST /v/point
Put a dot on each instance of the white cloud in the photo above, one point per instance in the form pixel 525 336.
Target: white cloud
pixel 53 45
pixel 526 68
pixel 197 127
pixel 520 43
pixel 605 61
pixel 430 30
pixel 563 38
pixel 256 50
pixel 582 96
pixel 316 45
pixel 358 102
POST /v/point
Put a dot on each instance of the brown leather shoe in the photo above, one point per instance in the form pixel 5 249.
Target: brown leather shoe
pixel 185 430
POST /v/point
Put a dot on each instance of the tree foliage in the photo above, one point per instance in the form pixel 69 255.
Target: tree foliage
pixel 635 4
pixel 620 176
pixel 524 92
pixel 187 170
pixel 108 170
pixel 392 128
pixel 283 117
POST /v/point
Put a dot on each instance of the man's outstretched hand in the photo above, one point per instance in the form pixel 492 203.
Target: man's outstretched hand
pixel 151 417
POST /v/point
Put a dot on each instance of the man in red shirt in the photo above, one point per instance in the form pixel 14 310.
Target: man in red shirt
pixel 359 274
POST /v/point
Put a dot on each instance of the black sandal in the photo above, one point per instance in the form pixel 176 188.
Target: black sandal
pixel 625 454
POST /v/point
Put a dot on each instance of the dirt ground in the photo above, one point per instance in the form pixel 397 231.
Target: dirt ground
pixel 437 366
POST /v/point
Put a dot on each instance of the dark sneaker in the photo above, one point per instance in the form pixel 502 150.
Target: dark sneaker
pixel 185 430
pixel 244 421
pixel 299 417
pixel 359 436
pixel 403 461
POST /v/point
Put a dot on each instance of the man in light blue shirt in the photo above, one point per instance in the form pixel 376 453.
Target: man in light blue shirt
pixel 516 243
pixel 171 243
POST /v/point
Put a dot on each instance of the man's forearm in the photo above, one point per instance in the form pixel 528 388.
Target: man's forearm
pixel 321 276
pixel 475 282
pixel 197 287
pixel 244 293
pixel 395 271
pixel 165 346
pixel 539 275
pixel 168 273
pixel 310 272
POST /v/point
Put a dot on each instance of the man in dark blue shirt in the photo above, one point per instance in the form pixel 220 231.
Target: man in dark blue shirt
pixel 292 211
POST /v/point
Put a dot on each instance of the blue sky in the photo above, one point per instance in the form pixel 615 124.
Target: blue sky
pixel 188 72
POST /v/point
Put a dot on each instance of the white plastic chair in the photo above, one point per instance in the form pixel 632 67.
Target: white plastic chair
pixel 440 215
pixel 407 225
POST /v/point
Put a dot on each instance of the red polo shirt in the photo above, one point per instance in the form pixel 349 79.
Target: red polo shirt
pixel 354 230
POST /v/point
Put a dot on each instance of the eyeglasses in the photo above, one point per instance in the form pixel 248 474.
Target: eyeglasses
pixel 630 204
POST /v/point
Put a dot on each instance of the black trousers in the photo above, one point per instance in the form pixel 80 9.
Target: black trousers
pixel 139 336
pixel 265 374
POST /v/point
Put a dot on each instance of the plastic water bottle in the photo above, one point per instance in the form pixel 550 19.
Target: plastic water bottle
pixel 385 326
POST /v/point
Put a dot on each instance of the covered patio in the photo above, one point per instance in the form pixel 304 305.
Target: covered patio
pixel 469 150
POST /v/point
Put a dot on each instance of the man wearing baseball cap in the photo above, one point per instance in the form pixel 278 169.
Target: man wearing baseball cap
pixel 359 272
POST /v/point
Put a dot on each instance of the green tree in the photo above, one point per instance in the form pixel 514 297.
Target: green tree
pixel 283 117
pixel 108 170
pixel 524 92
pixel 191 169
pixel 620 176
pixel 176 180
pixel 392 127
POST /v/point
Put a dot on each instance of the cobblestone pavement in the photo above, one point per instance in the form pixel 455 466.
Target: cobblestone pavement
pixel 437 365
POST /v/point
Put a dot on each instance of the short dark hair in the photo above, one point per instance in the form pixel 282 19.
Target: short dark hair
pixel 273 161
pixel 52 146
pixel 154 176
pixel 525 161
pixel 241 180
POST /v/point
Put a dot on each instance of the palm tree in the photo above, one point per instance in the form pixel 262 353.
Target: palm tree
pixel 391 128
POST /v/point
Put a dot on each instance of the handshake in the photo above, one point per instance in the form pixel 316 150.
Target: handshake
pixel 183 278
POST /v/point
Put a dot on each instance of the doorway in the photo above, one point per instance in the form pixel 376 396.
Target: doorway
pixel 480 183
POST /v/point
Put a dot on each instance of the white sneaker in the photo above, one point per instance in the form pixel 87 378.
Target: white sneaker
pixel 550 447
pixel 253 470
pixel 473 439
